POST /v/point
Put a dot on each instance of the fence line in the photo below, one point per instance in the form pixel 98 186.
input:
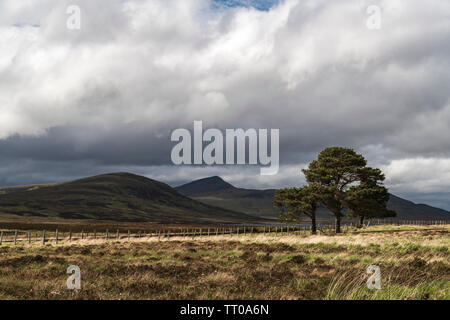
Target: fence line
pixel 56 237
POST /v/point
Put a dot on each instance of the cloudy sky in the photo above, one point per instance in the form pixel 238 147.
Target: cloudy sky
pixel 106 97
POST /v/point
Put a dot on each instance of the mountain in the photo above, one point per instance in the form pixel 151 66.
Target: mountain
pixel 205 186
pixel 129 197
pixel 409 210
pixel 115 196
pixel 217 192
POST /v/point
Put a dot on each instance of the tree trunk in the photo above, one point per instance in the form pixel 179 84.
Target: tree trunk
pixel 338 224
pixel 313 225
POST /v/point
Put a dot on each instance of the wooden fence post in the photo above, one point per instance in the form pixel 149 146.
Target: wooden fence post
pixel 107 234
pixel 70 236
pixel 56 236
pixel 82 234
pixel 117 234
pixel 15 237
pixel 43 237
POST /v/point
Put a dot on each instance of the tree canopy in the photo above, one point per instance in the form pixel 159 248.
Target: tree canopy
pixel 369 198
pixel 297 201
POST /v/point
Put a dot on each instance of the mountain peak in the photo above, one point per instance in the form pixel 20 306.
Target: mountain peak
pixel 213 180
pixel 209 184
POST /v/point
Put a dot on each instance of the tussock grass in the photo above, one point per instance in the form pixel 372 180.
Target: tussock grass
pixel 350 286
pixel 414 262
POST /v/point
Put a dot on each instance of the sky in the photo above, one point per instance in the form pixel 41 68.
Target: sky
pixel 106 97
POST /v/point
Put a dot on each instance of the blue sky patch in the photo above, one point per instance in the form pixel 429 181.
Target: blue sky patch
pixel 263 5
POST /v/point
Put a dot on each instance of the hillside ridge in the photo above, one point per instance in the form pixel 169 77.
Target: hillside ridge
pixel 260 202
pixel 119 196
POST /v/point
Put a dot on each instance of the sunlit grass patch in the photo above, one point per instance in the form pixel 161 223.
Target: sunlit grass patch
pixel 252 267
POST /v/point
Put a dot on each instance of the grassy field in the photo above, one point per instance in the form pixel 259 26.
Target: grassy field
pixel 414 262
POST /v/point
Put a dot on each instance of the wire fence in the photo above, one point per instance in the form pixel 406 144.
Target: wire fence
pixel 57 237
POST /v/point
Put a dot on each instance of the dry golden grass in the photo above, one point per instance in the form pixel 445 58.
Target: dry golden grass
pixel 414 262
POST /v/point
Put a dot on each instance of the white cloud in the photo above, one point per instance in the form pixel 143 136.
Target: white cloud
pixel 310 68
pixel 313 58
pixel 419 175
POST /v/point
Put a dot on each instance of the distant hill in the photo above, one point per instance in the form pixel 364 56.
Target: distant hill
pixel 206 186
pixel 217 192
pixel 115 196
pixel 409 210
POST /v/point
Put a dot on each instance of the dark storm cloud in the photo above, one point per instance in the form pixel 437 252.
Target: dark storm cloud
pixel 129 145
